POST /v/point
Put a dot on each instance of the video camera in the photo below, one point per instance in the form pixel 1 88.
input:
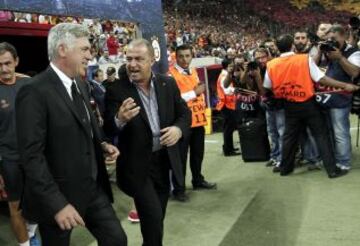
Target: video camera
pixel 329 45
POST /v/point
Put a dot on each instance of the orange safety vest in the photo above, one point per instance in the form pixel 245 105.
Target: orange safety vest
pixel 290 77
pixel 187 83
pixel 228 101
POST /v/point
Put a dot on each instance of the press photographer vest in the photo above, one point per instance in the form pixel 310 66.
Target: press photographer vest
pixel 228 101
pixel 291 79
pixel 187 83
pixel 335 71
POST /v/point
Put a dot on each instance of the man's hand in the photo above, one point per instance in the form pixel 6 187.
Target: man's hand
pixel 334 55
pixel 199 89
pixel 351 87
pixel 111 152
pixel 170 136
pixel 68 218
pixel 3 194
pixel 128 110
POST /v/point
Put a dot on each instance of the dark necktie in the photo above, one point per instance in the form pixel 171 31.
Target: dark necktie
pixel 80 108
pixel 187 71
pixel 79 104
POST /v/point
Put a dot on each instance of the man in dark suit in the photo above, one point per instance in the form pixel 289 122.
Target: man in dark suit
pixel 98 90
pixel 150 117
pixel 61 148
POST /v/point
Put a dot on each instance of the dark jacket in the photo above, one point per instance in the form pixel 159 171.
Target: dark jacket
pixel 135 139
pixel 56 149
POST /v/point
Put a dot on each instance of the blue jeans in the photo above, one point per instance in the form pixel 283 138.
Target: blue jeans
pixel 275 120
pixel 340 126
pixel 309 147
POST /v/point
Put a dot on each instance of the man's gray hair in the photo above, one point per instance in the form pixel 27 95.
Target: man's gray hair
pixel 64 33
pixel 142 42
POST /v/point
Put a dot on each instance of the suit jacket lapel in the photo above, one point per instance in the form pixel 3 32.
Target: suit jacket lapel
pixel 161 95
pixel 61 90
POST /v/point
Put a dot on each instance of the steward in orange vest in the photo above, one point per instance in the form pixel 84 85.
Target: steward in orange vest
pixel 187 84
pixel 192 91
pixel 226 97
pixel 227 105
pixel 291 77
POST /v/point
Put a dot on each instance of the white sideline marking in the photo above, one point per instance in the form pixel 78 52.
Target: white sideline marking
pixel 212 141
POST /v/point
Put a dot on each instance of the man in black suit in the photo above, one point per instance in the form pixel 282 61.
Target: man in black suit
pixel 61 148
pixel 98 90
pixel 149 116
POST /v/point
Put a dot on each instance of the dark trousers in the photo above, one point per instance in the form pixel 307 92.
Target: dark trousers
pixel 195 141
pixel 152 200
pixel 297 117
pixel 100 219
pixel 231 122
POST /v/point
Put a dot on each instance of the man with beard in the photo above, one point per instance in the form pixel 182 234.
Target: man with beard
pixel 301 42
pixel 309 150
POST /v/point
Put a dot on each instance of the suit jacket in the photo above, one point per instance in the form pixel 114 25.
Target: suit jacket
pixel 135 139
pixel 56 149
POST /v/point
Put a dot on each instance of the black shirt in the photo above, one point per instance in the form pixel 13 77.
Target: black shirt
pixel 8 139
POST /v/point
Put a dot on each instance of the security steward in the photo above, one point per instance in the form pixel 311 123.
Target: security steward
pixel 291 77
pixel 192 91
pixel 227 106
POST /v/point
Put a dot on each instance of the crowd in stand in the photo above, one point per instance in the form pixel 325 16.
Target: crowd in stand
pixel 108 38
pixel 219 25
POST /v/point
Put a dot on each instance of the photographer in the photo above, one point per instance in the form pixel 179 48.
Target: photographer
pixel 344 65
pixel 248 87
pixel 270 44
pixel 321 36
pixel 274 112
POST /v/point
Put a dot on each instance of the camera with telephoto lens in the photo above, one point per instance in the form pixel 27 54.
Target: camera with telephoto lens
pixel 329 45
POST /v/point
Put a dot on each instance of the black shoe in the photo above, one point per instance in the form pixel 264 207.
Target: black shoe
pixel 235 149
pixel 181 197
pixel 231 153
pixel 204 185
pixel 276 169
pixel 337 173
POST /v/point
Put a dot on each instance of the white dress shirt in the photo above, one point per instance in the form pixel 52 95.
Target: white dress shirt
pixel 190 95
